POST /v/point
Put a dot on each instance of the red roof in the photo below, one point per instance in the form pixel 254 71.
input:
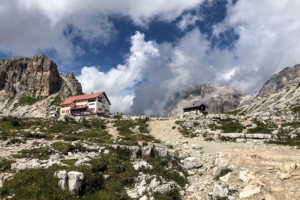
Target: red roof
pixel 82 97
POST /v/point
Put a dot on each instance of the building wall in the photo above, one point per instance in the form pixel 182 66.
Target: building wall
pixel 81 103
pixel 104 105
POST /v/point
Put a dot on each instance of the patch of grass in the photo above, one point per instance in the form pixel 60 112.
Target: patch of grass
pixel 261 128
pixel 15 141
pixel 117 117
pixel 158 179
pixel 5 165
pixel 123 154
pixel 26 100
pixel 40 183
pixel 57 100
pixel 130 138
pixel 209 139
pixel 233 112
pixel 63 147
pixel 296 109
pixel 222 173
pixel 224 139
pixel 228 126
pixel 159 169
pixel 173 127
pixel 172 196
pixel 69 162
pixel 285 140
pixel 187 132
pixel 39 153
pixel 70 138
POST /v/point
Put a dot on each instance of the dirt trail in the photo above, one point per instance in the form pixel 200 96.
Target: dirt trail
pixel 112 130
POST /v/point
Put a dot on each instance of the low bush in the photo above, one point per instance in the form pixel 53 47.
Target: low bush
pixel 5 165
pixel 124 154
pixel 39 153
pixel 223 173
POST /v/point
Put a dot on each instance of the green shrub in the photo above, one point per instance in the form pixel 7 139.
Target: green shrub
pixel 117 117
pixel 26 100
pixel 124 154
pixel 209 139
pixel 39 153
pixel 70 138
pixel 69 162
pixel 224 139
pixel 93 183
pixel 223 173
pixel 99 165
pixel 5 165
pixel 63 147
pixel 228 126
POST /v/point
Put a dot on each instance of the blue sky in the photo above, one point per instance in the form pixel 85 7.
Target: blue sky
pixel 142 52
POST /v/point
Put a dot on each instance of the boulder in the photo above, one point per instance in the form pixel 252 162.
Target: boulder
pixel 219 191
pixel 164 189
pixel 191 162
pixel 138 165
pixel 146 150
pixel 80 120
pixel 62 176
pixel 75 181
pixel 153 184
pixel 249 191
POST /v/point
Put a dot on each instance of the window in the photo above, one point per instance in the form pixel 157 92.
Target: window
pixel 100 109
pixel 67 111
pixel 91 100
pixel 63 111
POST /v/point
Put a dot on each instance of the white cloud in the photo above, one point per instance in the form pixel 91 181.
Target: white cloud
pixel 188 20
pixel 33 25
pixel 119 82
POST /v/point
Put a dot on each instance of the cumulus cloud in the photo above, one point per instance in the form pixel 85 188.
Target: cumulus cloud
pixel 119 82
pixel 188 20
pixel 33 25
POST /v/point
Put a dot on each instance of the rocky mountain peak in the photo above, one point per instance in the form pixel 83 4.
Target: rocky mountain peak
pixel 36 77
pixel 287 76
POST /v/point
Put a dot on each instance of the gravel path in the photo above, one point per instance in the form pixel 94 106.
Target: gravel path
pixel 163 131
pixel 112 130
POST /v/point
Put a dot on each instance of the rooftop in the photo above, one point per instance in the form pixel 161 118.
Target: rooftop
pixel 82 97
pixel 193 106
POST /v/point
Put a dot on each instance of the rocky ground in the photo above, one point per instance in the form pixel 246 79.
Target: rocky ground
pixel 125 157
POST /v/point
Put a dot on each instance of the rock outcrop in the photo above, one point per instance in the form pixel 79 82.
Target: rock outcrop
pixel 36 77
pixel 278 81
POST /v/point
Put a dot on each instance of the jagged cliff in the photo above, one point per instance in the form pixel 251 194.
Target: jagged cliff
pixel 279 96
pixel 219 99
pixel 287 76
pixel 22 77
pixel 36 77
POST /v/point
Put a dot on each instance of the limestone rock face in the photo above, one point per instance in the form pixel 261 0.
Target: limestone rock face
pixel 218 99
pixel 278 81
pixel 36 77
pixel 70 86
